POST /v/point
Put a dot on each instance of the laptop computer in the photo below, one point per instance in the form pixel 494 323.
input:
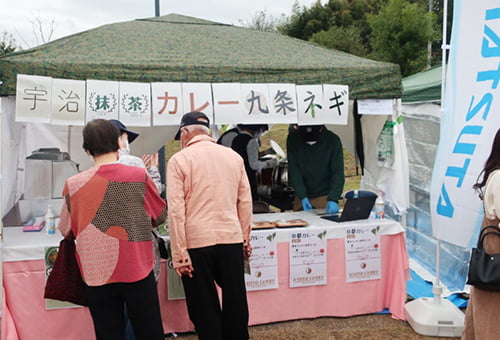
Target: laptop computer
pixel 354 209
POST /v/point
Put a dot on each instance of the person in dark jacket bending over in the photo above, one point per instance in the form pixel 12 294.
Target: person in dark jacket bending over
pixel 246 143
pixel 315 167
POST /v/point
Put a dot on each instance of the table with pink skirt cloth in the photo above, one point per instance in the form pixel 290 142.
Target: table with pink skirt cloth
pixel 25 317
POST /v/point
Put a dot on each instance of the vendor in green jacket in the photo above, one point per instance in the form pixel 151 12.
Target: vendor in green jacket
pixel 315 167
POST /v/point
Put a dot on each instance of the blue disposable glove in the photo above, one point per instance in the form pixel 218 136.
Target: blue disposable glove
pixel 306 205
pixel 331 207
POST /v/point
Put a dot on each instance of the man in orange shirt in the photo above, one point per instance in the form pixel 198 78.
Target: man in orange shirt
pixel 210 213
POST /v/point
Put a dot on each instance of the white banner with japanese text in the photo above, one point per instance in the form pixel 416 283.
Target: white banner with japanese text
pixel 163 104
pixel 167 103
pixel 135 104
pixel 68 102
pixel 336 102
pixel 310 104
pixel 308 258
pixel 33 98
pixel 228 106
pixel 198 97
pixel 283 104
pixel 102 99
pixel 362 254
pixel 263 262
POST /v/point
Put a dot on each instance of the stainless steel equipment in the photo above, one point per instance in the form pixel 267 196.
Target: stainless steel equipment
pixel 280 174
pixel 282 193
pixel 274 187
pixel 45 173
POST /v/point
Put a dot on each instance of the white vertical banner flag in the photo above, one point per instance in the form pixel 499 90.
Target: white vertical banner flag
pixel 283 108
pixel 135 104
pixel 228 107
pixel 336 104
pixel 256 103
pixel 198 97
pixel 68 102
pixel 167 103
pixel 310 104
pixel 469 121
pixel 102 100
pixel 33 98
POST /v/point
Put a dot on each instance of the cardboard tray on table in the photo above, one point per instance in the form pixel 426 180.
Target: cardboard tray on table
pixel 291 223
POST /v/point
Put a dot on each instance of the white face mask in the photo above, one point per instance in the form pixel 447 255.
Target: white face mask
pixel 126 149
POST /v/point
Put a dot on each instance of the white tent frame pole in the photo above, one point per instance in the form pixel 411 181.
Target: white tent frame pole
pixel 445 47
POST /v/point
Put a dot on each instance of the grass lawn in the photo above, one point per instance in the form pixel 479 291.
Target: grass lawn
pixel 278 133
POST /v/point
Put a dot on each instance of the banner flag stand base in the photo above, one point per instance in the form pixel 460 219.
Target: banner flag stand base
pixel 435 316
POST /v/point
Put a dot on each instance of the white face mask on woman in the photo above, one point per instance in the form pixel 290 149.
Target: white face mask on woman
pixel 124 146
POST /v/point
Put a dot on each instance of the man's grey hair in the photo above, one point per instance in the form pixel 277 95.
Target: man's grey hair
pixel 199 128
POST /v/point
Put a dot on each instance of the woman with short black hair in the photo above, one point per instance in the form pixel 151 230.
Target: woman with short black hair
pixel 111 209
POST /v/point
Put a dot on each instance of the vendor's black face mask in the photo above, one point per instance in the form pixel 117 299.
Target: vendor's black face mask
pixel 310 133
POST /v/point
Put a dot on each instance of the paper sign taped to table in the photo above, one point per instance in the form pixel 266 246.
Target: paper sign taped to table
pixel 263 262
pixel 362 253
pixel 308 258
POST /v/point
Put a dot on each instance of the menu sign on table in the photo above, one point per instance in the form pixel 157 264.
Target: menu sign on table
pixel 307 258
pixel 263 262
pixel 362 253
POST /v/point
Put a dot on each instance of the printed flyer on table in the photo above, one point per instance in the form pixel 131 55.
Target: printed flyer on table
pixel 308 258
pixel 362 254
pixel 263 262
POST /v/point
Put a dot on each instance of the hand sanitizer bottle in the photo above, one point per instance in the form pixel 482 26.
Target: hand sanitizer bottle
pixel 50 221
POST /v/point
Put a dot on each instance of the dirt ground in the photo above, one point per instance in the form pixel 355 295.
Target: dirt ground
pixel 363 327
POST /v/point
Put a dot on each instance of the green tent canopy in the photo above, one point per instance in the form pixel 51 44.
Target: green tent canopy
pixel 423 86
pixel 176 48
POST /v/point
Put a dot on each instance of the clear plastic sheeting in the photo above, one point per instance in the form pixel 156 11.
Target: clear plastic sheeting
pixel 422 127
pixel 422 138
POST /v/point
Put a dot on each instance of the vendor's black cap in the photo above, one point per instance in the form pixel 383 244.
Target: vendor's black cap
pixel 131 135
pixel 192 118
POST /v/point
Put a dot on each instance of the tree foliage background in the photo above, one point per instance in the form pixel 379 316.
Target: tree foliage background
pixel 400 34
pixel 7 44
pixel 397 31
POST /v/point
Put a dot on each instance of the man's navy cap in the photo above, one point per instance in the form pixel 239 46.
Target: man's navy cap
pixel 131 135
pixel 192 118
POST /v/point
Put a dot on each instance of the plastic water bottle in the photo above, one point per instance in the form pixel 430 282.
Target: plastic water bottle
pixel 50 221
pixel 385 145
pixel 379 207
